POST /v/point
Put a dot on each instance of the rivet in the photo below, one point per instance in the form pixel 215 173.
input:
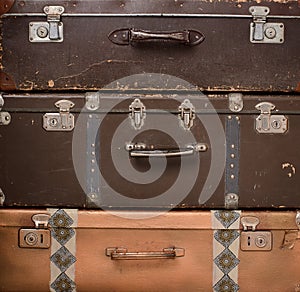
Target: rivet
pixel 232 146
pixel 232 155
pixel 229 117
pixel 232 176
pixel 231 165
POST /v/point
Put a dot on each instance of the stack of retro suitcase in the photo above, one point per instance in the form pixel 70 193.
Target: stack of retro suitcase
pixel 149 145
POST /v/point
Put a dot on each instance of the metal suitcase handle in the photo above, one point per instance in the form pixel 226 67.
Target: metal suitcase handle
pixel 127 36
pixel 121 253
pixel 138 150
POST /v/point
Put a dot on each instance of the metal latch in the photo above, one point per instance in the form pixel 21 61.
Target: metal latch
pixel 50 30
pixel 62 121
pixel 38 237
pixel 137 114
pixel 254 240
pixel 267 123
pixel 262 31
pixel 186 114
pixel 5 117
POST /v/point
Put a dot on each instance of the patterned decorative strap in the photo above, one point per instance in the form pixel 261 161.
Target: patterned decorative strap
pixel 63 249
pixel 226 243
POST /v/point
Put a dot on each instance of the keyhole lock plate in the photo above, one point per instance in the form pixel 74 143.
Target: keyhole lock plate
pixel 62 121
pixel 50 30
pixel 268 123
pixel 256 240
pixel 38 237
pixel 34 238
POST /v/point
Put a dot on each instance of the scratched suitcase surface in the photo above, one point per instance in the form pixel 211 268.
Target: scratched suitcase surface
pixel 84 45
pixel 160 150
pixel 178 251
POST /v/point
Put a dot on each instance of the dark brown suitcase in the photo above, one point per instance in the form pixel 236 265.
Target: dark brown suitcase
pixel 159 148
pixel 85 45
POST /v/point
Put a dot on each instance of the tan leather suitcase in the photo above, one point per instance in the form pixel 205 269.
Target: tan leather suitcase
pixel 71 250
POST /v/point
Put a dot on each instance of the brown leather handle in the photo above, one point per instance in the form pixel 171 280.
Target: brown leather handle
pixel 127 36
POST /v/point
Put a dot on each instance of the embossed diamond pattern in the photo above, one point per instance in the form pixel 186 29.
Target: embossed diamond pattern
pixel 60 219
pixel 63 259
pixel 226 284
pixel 62 235
pixel 227 218
pixel 226 236
pixel 63 284
pixel 226 261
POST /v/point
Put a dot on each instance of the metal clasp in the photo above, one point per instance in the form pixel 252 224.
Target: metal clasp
pixel 5 117
pixel 252 239
pixel 137 114
pixel 50 30
pixel 267 123
pixel 186 114
pixel 262 31
pixel 62 121
pixel 38 237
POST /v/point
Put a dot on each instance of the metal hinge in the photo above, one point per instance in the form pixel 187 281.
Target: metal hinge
pixel 231 201
pixel 92 100
pixel 2 198
pixel 186 114
pixel 254 240
pixel 38 237
pixel 267 123
pixel 50 30
pixel 5 117
pixel 62 121
pixel 235 102
pixel 262 31
pixel 137 114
